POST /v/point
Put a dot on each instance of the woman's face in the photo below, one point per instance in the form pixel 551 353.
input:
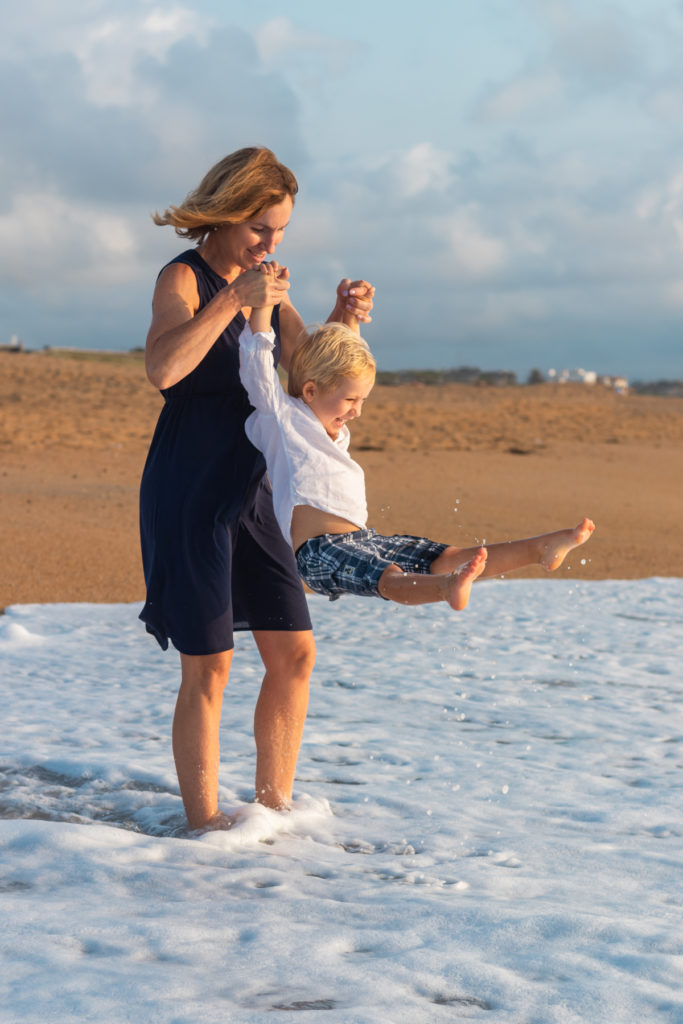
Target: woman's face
pixel 246 245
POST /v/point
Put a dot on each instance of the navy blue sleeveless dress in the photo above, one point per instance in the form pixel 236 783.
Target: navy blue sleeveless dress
pixel 213 554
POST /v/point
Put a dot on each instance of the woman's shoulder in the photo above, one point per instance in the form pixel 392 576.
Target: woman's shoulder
pixel 189 273
pixel 188 262
pixel 178 278
pixel 181 266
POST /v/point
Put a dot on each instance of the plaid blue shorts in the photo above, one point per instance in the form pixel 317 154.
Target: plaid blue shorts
pixel 352 563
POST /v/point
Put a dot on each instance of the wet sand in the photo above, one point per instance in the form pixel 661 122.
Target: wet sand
pixel 456 462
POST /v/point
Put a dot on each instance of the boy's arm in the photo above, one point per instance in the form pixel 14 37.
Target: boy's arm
pixel 257 369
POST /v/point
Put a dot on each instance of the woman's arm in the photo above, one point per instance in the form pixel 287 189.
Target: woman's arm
pixel 181 334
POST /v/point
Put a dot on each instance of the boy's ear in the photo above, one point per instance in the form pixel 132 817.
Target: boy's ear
pixel 309 391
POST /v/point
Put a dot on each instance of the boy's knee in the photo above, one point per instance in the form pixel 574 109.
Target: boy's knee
pixel 446 561
pixel 387 578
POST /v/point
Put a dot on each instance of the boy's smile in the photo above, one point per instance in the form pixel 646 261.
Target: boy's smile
pixel 335 406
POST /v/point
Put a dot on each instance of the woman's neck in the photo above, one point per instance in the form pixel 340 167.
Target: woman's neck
pixel 212 252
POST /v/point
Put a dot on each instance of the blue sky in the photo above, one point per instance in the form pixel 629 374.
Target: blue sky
pixel 509 175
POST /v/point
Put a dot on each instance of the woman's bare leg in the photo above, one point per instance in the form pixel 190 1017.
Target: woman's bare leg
pixel 281 709
pixel 422 588
pixel 547 550
pixel 196 726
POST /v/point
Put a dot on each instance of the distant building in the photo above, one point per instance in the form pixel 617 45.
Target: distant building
pixel 15 345
pixel 581 376
pixel 618 384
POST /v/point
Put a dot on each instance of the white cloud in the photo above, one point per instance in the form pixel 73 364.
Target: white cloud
pixel 108 51
pixel 64 243
pixel 282 44
pixel 278 37
pixel 315 228
pixel 666 104
pixel 584 55
pixel 137 104
pixel 530 93
pixel 107 40
pixel 677 225
pixel 474 250
pixel 662 208
pixel 494 310
pixel 423 168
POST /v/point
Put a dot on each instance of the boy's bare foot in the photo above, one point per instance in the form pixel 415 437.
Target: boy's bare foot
pixel 558 545
pixel 460 582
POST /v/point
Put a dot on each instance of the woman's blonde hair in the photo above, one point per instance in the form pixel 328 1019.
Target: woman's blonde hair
pixel 236 189
pixel 326 356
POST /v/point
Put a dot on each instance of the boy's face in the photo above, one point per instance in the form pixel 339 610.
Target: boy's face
pixel 339 404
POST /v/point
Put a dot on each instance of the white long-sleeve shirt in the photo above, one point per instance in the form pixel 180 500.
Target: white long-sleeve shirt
pixel 305 465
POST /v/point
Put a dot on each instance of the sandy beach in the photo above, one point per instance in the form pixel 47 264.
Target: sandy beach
pixel 460 463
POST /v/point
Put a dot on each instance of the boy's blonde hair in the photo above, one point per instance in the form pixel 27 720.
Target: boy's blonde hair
pixel 234 190
pixel 326 356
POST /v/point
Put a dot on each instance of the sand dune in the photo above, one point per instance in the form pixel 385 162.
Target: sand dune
pixel 457 462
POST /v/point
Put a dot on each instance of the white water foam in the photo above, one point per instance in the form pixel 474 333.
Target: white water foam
pixel 487 821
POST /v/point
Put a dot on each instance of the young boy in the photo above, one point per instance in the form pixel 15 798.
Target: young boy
pixel 319 491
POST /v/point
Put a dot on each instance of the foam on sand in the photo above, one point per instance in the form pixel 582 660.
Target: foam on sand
pixel 486 823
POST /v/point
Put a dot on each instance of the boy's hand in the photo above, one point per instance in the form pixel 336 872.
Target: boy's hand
pixel 277 275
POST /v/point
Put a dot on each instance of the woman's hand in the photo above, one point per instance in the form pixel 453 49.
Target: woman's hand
pixel 356 298
pixel 260 316
pixel 266 285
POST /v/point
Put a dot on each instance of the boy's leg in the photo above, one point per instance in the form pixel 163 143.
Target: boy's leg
pixel 548 550
pixel 420 588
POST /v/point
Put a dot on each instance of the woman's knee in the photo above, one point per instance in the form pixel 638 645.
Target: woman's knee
pixel 304 658
pixel 206 673
pixel 290 654
pixel 300 657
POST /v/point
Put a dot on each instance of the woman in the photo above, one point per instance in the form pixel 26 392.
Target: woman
pixel 213 555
